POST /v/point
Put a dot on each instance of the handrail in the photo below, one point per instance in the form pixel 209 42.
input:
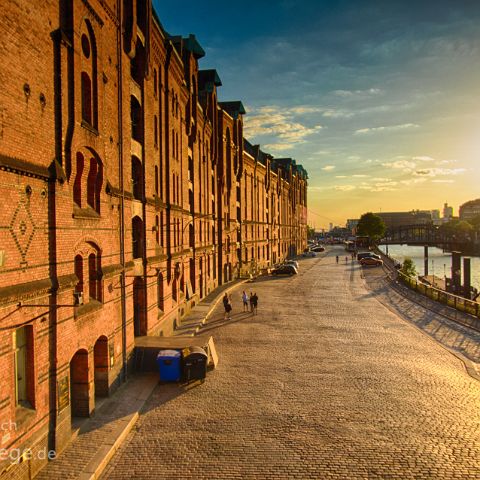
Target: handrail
pixel 458 303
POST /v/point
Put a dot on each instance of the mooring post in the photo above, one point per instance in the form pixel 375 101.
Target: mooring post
pixel 466 278
pixel 456 272
pixel 425 260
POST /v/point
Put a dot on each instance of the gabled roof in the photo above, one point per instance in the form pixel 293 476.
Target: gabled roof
pixel 287 163
pixel 234 109
pixel 207 79
pixel 256 152
pixel 190 44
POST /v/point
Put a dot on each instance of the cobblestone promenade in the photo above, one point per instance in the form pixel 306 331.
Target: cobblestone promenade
pixel 325 382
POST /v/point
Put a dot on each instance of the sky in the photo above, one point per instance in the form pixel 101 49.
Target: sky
pixel 378 99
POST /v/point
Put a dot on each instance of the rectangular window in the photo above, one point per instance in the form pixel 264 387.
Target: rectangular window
pixel 24 387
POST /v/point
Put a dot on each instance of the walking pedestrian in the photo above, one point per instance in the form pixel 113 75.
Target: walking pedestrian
pixel 346 259
pixel 245 301
pixel 251 302
pixel 255 303
pixel 336 258
pixel 227 305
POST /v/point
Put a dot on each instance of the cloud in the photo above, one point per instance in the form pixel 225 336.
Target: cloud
pixel 328 168
pixel 413 181
pixel 389 128
pixel 439 172
pixel 359 175
pixel 344 188
pixel 332 113
pixel 280 123
pixel 404 165
pixel 443 181
pixel 277 147
pixel 424 158
pixel 352 93
pixel 341 176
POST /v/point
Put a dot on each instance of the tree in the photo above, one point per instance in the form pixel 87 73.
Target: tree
pixel 475 222
pixel 408 268
pixel 310 232
pixel 463 227
pixel 372 226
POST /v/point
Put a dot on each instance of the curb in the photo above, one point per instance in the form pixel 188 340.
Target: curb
pixel 95 467
pixel 220 296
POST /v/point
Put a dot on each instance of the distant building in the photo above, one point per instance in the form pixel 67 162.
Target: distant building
pixel 331 227
pixel 447 213
pixel 399 219
pixel 352 225
pixel 470 209
pixel 436 220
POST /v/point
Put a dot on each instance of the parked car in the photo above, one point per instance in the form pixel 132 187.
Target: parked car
pixel 309 253
pixel 368 254
pixel 292 262
pixel 371 261
pixel 284 270
pixel 318 249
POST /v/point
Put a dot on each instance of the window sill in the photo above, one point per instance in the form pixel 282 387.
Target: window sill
pixel 24 414
pixel 85 213
pixel 85 309
pixel 90 128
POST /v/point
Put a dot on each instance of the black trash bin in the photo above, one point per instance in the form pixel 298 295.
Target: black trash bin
pixel 194 364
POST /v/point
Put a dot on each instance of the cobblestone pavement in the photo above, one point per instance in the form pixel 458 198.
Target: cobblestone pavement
pixel 98 434
pixel 410 305
pixel 325 382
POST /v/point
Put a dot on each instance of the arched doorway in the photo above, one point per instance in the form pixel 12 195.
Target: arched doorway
pixel 79 388
pixel 138 307
pixel 225 272
pixel 100 367
pixel 200 278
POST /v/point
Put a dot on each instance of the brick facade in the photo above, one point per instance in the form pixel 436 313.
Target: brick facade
pixel 129 194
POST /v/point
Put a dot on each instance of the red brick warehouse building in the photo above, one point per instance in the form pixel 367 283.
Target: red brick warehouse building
pixel 128 192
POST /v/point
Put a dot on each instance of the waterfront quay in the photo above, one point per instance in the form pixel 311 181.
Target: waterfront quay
pixel 324 382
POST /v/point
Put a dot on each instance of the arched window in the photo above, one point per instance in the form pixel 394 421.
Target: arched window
pixel 91 253
pixel 155 81
pixel 24 368
pixel 86 98
pixel 94 271
pixel 79 273
pixel 77 184
pixel 137 178
pixel 94 183
pixel 137 237
pixel 136 118
pixel 91 181
pixel 155 130
pixel 89 89
pixel 228 160
pixel 175 290
pixel 160 294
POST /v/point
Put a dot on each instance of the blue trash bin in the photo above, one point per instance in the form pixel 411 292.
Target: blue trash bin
pixel 169 365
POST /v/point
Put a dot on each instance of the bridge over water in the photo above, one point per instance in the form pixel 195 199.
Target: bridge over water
pixel 430 235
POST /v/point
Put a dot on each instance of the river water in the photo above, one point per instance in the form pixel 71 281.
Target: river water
pixel 439 262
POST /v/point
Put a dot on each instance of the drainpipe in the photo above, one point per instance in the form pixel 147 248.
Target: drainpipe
pixel 122 190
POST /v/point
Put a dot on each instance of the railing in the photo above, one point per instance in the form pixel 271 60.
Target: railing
pixel 458 303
